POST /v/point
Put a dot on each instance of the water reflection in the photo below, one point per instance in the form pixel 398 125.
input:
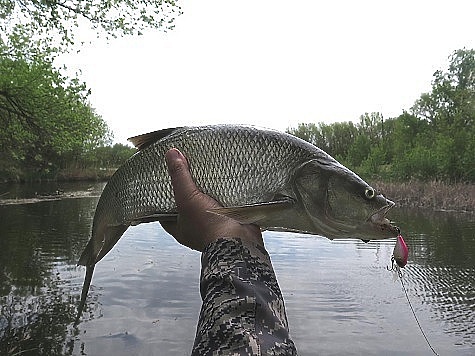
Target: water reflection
pixel 38 324
pixel 340 298
pixel 439 239
pixel 39 246
pixel 442 272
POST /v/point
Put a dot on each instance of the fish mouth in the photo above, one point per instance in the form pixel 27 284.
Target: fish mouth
pixel 379 217
pixel 377 225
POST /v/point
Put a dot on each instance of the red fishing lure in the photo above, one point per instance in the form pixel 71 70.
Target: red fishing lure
pixel 400 252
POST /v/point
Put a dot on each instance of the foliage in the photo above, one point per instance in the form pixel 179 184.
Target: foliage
pixel 336 138
pixel 45 117
pixel 108 156
pixel 435 139
pixel 56 23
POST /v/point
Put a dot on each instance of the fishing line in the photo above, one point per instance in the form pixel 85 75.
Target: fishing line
pixel 399 273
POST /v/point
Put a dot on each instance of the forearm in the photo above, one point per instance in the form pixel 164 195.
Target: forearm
pixel 243 310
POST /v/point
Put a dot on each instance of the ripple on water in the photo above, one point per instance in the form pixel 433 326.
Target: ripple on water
pixel 450 294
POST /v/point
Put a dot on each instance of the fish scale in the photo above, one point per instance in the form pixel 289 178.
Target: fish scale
pixel 209 180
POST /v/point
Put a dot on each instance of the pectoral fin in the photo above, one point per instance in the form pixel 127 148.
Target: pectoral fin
pixel 154 217
pixel 253 213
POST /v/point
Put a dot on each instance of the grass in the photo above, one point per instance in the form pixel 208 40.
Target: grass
pixel 433 195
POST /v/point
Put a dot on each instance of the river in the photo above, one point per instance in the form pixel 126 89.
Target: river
pixel 144 298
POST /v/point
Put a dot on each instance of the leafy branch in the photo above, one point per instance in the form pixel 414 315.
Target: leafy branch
pixel 60 20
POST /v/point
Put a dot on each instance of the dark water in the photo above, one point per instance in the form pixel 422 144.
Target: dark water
pixel 144 299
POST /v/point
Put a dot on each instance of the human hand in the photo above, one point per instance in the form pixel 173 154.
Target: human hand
pixel 196 226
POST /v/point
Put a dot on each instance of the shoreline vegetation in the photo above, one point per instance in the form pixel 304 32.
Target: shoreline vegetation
pixel 87 174
pixel 434 195
pixel 63 175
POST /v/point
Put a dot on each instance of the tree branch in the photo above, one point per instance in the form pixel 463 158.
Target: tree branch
pixel 76 11
pixel 14 108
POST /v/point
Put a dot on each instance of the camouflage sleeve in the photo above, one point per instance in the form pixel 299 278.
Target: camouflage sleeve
pixel 243 310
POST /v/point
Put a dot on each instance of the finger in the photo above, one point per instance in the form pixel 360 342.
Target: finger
pixel 183 186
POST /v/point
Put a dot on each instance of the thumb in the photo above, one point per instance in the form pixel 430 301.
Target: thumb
pixel 184 187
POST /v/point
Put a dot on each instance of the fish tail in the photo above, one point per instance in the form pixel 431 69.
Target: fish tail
pixel 85 289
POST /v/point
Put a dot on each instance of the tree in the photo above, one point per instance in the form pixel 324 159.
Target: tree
pixel 450 110
pixel 108 156
pixel 371 125
pixel 335 138
pixel 435 139
pixel 309 132
pixel 45 117
pixel 408 130
pixel 57 22
pixel 452 100
pixel 359 151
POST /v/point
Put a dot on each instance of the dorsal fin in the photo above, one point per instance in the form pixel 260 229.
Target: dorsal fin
pixel 145 140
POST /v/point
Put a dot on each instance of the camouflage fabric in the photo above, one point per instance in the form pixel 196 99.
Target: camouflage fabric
pixel 243 310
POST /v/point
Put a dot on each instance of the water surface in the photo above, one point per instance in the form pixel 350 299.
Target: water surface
pixel 144 298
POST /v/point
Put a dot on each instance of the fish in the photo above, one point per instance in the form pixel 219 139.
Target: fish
pixel 259 176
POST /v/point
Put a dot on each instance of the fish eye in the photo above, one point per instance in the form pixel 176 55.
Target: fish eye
pixel 369 193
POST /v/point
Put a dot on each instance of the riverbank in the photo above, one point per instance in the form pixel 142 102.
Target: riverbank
pixel 438 196
pixel 62 175
pixel 84 174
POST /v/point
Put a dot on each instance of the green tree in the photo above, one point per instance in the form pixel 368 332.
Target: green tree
pixel 45 117
pixel 408 130
pixel 108 156
pixel 374 161
pixel 359 151
pixel 310 132
pixel 452 100
pixel 435 139
pixel 57 22
pixel 371 125
pixel 335 139
pixel 450 111
pixel 340 136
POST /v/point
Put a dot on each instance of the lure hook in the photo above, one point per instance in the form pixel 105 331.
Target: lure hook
pixel 393 265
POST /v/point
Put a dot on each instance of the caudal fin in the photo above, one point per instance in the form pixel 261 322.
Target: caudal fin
pixel 85 289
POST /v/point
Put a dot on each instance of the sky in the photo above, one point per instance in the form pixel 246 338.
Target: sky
pixel 274 63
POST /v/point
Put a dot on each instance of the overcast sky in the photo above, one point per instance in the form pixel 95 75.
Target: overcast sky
pixel 274 63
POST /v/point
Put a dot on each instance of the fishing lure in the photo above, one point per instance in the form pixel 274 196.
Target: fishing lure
pixel 400 252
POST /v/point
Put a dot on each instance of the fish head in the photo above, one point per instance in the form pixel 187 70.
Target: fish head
pixel 340 204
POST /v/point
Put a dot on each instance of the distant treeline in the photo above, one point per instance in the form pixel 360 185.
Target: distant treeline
pixel 433 140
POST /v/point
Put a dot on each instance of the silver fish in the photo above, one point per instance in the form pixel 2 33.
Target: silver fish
pixel 260 176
